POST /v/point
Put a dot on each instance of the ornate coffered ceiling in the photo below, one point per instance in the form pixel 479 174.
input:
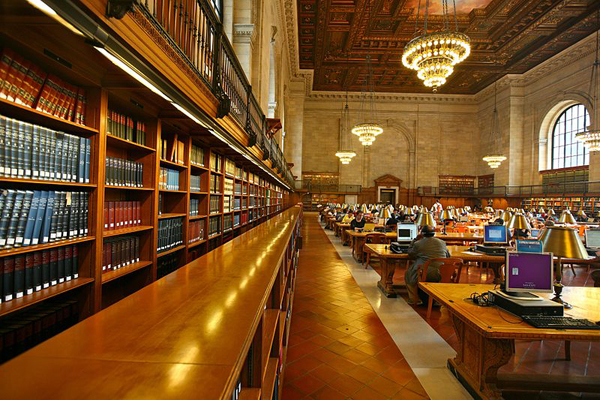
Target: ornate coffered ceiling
pixel 507 37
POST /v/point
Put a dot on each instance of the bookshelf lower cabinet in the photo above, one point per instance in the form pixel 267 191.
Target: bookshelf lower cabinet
pixel 170 335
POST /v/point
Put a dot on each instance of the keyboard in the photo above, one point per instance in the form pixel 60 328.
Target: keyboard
pixel 547 322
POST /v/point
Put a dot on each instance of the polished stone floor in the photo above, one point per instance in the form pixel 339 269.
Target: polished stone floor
pixel 347 341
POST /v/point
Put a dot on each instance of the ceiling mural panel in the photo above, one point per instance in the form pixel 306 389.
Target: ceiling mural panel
pixel 507 36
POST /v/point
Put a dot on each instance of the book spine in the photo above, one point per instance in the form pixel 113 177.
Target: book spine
pixel 14 219
pixel 75 262
pixel 48 218
pixel 60 264
pixel 8 278
pixel 29 264
pixel 37 271
pixel 53 267
pixel 68 263
pixel 39 219
pixel 23 216
pixel 19 276
pixel 45 269
pixel 54 219
pixel 88 152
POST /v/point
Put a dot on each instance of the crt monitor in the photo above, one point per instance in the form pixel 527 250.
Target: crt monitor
pixel 529 272
pixel 535 233
pixel 496 234
pixel 407 232
pixel 592 238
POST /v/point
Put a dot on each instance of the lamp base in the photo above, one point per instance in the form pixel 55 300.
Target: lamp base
pixel 558 287
pixel 566 305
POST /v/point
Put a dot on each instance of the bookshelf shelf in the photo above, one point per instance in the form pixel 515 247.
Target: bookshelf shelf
pixel 270 322
pixel 127 231
pixel 199 167
pixel 197 217
pixel 34 116
pixel 129 188
pixel 117 142
pixel 44 294
pixel 170 251
pixel 172 191
pixel 250 394
pixel 270 376
pixel 112 275
pixel 48 183
pixel 45 246
pixel 171 215
pixel 199 193
pixel 194 244
pixel 171 164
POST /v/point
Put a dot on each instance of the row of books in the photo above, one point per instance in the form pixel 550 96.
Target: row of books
pixel 216 162
pixel 33 152
pixel 125 127
pixel 22 331
pixel 35 217
pixel 214 225
pixel 215 184
pixel 229 167
pixel 196 231
pixel 25 274
pixel 167 264
pixel 120 252
pixel 197 156
pixel 174 153
pixel 169 179
pixel 170 233
pixel 237 188
pixel 237 203
pixel 121 172
pixel 236 220
pixel 226 203
pixel 122 214
pixel 214 205
pixel 195 183
pixel 25 83
pixel 227 222
pixel 228 186
pixel 194 207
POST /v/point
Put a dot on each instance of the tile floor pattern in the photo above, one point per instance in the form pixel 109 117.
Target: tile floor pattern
pixel 339 349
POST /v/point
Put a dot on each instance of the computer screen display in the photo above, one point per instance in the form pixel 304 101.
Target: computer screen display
pixel 369 228
pixel 407 232
pixel 529 246
pixel 592 238
pixel 535 233
pixel 529 272
pixel 495 234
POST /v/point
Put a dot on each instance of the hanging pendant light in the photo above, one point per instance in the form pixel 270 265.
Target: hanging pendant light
pixel 434 55
pixel 345 153
pixel 591 137
pixel 368 131
pixel 495 159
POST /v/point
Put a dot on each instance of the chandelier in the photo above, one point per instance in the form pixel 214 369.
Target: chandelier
pixel 495 159
pixel 367 133
pixel 434 55
pixel 344 154
pixel 591 138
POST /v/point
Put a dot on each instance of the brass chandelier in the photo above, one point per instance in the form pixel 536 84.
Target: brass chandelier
pixel 367 132
pixel 434 55
pixel 495 159
pixel 591 137
pixel 344 153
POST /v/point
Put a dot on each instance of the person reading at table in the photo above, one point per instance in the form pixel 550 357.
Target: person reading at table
pixel 348 218
pixel 425 247
pixel 358 222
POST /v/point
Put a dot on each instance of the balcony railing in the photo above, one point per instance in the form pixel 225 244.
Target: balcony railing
pixel 194 31
pixel 319 187
pixel 556 189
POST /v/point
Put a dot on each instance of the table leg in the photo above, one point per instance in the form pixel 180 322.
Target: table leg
pixel 478 359
pixel 387 277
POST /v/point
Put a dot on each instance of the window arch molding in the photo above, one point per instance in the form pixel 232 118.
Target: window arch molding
pixel 551 116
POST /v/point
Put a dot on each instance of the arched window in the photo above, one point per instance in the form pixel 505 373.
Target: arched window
pixel 566 150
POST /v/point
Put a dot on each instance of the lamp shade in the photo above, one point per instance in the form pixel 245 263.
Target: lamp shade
pixel 581 213
pixel 384 213
pixel 446 215
pixel 533 211
pixel 364 208
pixel 550 211
pixel 542 211
pixel 506 215
pixel 425 218
pixel 489 209
pixel 409 211
pixel 567 218
pixel 518 221
pixel 563 242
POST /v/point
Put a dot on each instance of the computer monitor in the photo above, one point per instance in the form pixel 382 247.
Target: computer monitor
pixel 592 238
pixel 529 272
pixel 535 233
pixel 529 246
pixel 369 228
pixel 407 232
pixel 495 234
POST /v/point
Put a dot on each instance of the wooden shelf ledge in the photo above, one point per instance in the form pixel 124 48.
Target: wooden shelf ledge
pixel 170 251
pixel 118 273
pixel 125 231
pixel 45 246
pixel 171 215
pixel 48 183
pixel 115 141
pixel 177 166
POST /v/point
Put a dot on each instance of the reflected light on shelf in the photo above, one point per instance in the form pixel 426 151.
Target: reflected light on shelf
pixel 46 9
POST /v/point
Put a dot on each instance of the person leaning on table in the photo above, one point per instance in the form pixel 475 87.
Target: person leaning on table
pixel 425 247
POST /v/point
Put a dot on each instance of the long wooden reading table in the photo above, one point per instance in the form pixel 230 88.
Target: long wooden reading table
pixel 195 334
pixel 486 340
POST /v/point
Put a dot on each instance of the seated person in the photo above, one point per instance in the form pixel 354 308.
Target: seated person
pixel 424 248
pixel 348 218
pixel 498 221
pixel 393 220
pixel 358 222
pixel 520 234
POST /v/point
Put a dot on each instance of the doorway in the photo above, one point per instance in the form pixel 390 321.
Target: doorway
pixel 387 196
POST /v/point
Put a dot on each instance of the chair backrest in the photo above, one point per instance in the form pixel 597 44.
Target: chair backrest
pixel 596 277
pixel 376 238
pixel 450 269
pixel 462 229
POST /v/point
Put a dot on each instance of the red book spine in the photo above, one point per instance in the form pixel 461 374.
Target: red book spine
pixel 25 86
pixel 43 101
pixel 6 60
pixel 38 77
pixel 106 216
pixel 59 111
pixel 111 215
pixel 16 74
pixel 138 212
pixel 122 214
pixel 130 213
pixel 83 101
pixel 72 92
pixel 109 265
pixel 51 100
pixel 77 112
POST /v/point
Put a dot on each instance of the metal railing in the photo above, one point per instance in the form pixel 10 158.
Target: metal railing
pixel 195 33
pixel 561 188
pixel 317 187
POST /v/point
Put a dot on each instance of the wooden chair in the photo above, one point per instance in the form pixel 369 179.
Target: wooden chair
pixel 373 238
pixel 450 270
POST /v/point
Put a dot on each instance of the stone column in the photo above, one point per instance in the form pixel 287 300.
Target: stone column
pixel 242 44
pixel 294 121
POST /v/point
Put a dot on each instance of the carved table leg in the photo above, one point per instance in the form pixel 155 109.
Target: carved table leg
pixel 479 358
pixel 387 274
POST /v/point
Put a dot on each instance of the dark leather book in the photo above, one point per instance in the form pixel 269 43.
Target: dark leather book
pixel 53 267
pixel 29 264
pixel 8 278
pixel 45 269
pixel 19 276
pixel 37 271
pixel 75 258
pixel 60 264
